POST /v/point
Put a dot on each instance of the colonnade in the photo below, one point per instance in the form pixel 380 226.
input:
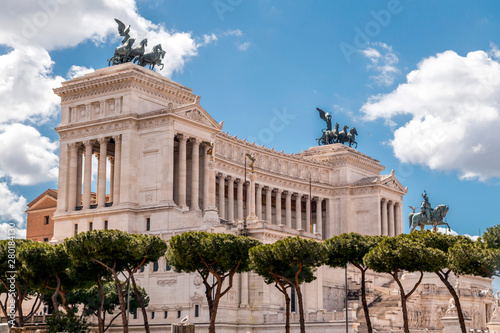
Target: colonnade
pixel 276 206
pixel 80 172
pixel 390 214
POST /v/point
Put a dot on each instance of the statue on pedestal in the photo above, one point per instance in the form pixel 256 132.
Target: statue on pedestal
pixel 334 136
pixel 428 215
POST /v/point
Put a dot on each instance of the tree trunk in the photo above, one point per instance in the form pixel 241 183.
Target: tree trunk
pixel 141 302
pixel 453 293
pixel 100 321
pixel 215 305
pixel 121 298
pixel 301 310
pixel 403 303
pixel 363 300
pixel 287 306
pixel 54 295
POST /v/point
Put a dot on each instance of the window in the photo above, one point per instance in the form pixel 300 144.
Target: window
pixel 167 266
pixel 196 310
pixel 76 229
pixel 91 226
pixel 165 315
pixel 135 314
pixel 155 266
pixel 179 314
pixel 292 301
pixel 46 240
pixel 46 219
pixel 106 225
pixel 153 315
pixel 148 224
pixel 142 269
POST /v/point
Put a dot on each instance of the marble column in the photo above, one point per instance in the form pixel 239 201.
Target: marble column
pixel 298 211
pixel 278 207
pixel 244 290
pixel 206 176
pixel 391 218
pixel 111 178
pixel 182 171
pixel 308 226
pixel 103 151
pixel 288 214
pixel 87 178
pixel 230 198
pixel 269 205
pixel 222 199
pixel 79 177
pixel 239 199
pixel 258 198
pixel 319 215
pixel 118 165
pixel 98 180
pixel 397 218
pixel 195 175
pixel 384 217
pixel 252 216
pixel 73 159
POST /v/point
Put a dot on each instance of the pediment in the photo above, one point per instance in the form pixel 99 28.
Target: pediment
pixel 392 182
pixel 197 114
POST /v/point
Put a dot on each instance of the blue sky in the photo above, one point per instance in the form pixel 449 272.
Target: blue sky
pixel 418 79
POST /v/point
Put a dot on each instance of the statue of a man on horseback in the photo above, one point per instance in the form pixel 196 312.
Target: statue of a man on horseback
pixel 428 215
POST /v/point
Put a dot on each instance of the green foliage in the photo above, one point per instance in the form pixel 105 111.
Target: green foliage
pixel 67 322
pixel 349 248
pixel 472 259
pixel 202 251
pixel 403 253
pixel 491 237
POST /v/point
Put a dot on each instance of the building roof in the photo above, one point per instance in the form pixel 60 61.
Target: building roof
pixel 50 192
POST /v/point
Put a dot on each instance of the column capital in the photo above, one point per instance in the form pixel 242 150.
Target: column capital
pixel 230 178
pixel 238 180
pixel 268 188
pixel 88 143
pixel 103 140
pixel 195 141
pixel 278 190
pixel 221 175
pixel 298 195
pixel 383 200
pixel 287 193
pixel 117 138
pixel 259 186
pixel 181 137
pixel 317 199
pixel 396 204
pixel 74 145
pixel 111 159
pixel 390 202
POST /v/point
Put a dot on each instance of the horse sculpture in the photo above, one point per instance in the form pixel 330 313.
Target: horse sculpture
pixel 137 51
pixel 437 216
pixel 351 137
pixel 329 136
pixel 152 58
pixel 122 53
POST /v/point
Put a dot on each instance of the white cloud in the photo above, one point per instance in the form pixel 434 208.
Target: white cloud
pixel 6 233
pixel 454 105
pixel 26 157
pixel 76 71
pixel 12 206
pixel 383 62
pixel 26 85
pixel 244 46
pixel 454 233
pixel 236 32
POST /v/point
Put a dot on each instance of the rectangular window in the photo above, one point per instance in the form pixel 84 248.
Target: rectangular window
pixel 46 240
pixel 91 226
pixel 47 219
pixel 135 314
pixel 179 314
pixel 167 266
pixel 155 266
pixel 148 223
pixel 292 301
pixel 106 225
pixel 76 229
pixel 153 315
pixel 165 315
pixel 196 310
pixel 142 269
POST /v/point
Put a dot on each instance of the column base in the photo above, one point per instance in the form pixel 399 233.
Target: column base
pixel 252 218
pixel 168 203
pixel 211 216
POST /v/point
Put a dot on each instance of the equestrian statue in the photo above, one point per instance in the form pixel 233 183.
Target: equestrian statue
pixel 428 215
pixel 126 53
pixel 333 135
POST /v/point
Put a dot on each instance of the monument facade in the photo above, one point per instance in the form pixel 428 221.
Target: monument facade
pixel 166 167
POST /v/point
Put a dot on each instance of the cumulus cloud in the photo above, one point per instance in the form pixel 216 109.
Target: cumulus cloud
pixel 454 233
pixel 453 102
pixel 244 46
pixel 383 62
pixel 26 85
pixel 26 156
pixel 6 232
pixel 12 206
pixel 76 71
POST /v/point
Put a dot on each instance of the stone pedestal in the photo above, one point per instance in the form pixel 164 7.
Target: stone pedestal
pixel 494 325
pixel 451 323
pixel 4 328
pixel 182 328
